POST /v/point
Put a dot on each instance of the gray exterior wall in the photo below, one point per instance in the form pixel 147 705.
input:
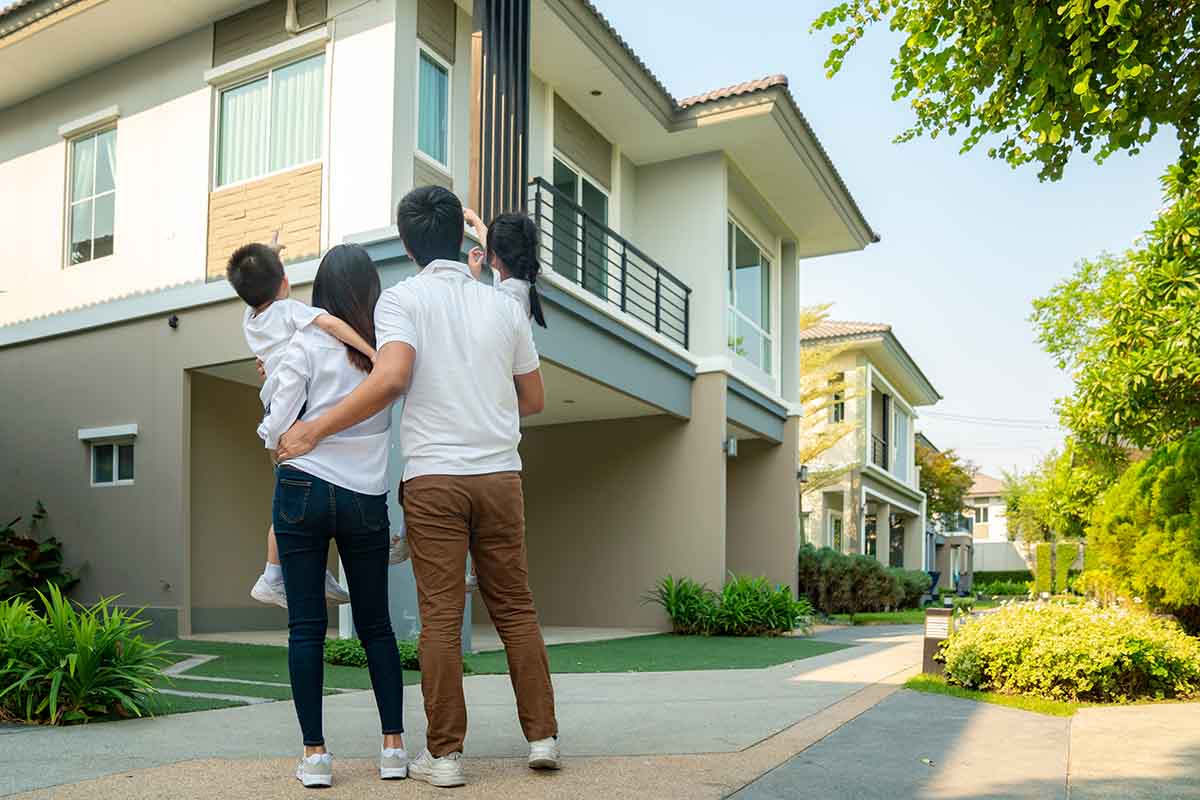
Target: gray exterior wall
pixel 259 27
pixel 583 144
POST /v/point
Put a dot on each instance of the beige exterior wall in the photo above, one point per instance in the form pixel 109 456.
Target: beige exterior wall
pixel 576 139
pixel 762 509
pixel 289 202
pixel 611 507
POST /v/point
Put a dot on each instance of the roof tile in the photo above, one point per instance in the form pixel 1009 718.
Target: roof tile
pixel 835 329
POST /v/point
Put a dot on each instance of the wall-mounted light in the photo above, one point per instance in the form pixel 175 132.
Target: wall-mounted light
pixel 596 92
pixel 173 321
pixel 802 473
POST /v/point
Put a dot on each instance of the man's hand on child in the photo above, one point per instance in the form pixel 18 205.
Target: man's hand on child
pixel 262 370
pixel 298 441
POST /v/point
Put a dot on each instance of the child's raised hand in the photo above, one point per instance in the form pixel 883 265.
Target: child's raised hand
pixel 275 245
pixel 475 260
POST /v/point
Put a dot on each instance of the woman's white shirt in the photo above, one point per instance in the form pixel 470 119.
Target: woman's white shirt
pixel 315 374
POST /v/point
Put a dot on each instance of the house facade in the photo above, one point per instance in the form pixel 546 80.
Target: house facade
pixel 875 506
pixel 985 505
pixel 135 157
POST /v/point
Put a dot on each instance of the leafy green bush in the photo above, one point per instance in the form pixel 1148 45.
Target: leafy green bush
pixel 1011 575
pixel 1042 574
pixel 1091 557
pixel 28 566
pixel 1146 530
pixel 71 664
pixel 914 584
pixel 836 583
pixel 1003 588
pixel 1064 556
pixel 745 607
pixel 1098 585
pixel 1074 652
pixel 350 653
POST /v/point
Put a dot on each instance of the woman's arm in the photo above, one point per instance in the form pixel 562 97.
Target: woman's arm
pixel 341 330
pixel 290 394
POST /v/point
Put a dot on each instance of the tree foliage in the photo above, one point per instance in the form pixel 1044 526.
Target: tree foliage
pixel 945 479
pixel 1128 329
pixel 821 388
pixel 1055 500
pixel 1038 79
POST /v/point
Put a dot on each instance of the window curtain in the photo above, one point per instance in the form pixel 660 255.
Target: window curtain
pixel 83 170
pixel 433 110
pixel 244 131
pixel 297 113
pixel 901 438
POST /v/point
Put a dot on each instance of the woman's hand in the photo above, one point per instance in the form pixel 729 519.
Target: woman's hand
pixel 262 371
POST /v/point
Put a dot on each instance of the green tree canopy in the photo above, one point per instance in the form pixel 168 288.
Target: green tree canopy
pixel 1056 499
pixel 1038 79
pixel 945 479
pixel 1128 330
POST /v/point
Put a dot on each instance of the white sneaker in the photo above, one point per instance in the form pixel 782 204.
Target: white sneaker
pixel 445 772
pixel 398 552
pixel 269 592
pixel 393 763
pixel 543 754
pixel 316 770
pixel 334 590
pixel 472 583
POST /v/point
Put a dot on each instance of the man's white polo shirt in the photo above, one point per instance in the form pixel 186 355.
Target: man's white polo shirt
pixel 460 415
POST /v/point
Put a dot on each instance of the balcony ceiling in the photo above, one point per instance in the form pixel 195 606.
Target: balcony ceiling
pixel 91 35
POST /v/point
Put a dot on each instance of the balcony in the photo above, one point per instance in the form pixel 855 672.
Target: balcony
pixel 585 251
pixel 879 452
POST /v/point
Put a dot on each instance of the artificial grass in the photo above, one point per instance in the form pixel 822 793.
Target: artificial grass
pixel 663 653
pixel 935 684
pixel 260 662
pixel 213 687
pixel 163 704
pixel 912 616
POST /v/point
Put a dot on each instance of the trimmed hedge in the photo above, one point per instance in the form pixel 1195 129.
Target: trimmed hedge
pixel 1064 556
pixel 1043 578
pixel 350 653
pixel 836 583
pixel 1006 576
pixel 1091 557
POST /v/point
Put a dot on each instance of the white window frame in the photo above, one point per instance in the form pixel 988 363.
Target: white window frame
pixel 116 443
pixel 837 409
pixel 267 73
pixel 765 255
pixel 447 168
pixel 839 516
pixel 981 515
pixel 71 203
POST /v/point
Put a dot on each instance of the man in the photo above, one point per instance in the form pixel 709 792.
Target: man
pixel 463 355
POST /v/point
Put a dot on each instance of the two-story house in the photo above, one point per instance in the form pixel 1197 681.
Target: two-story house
pixel 141 141
pixel 985 504
pixel 876 506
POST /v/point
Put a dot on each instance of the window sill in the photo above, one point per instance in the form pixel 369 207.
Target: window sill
pixel 256 63
pixel 433 162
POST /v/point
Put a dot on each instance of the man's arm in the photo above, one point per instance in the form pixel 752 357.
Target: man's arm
pixel 339 329
pixel 387 381
pixel 531 393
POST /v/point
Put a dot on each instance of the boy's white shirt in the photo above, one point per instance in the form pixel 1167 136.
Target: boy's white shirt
pixel 460 413
pixel 268 333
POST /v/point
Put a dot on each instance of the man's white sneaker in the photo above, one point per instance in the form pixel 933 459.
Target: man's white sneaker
pixel 316 770
pixel 398 552
pixel 334 590
pixel 269 592
pixel 445 772
pixel 393 763
pixel 472 583
pixel 543 754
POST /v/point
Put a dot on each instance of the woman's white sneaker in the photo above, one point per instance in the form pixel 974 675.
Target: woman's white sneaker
pixel 445 771
pixel 316 770
pixel 543 754
pixel 393 763
pixel 334 590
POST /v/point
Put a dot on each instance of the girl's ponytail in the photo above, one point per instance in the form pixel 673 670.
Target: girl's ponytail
pixel 514 239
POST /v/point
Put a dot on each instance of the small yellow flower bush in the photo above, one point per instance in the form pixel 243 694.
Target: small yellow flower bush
pixel 1077 653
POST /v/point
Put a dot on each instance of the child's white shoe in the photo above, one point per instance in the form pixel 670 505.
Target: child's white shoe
pixel 398 553
pixel 269 592
pixel 334 590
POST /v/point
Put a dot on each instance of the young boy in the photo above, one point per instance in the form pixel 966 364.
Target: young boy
pixel 256 273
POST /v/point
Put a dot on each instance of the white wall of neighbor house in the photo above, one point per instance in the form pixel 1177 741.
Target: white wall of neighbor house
pixel 162 166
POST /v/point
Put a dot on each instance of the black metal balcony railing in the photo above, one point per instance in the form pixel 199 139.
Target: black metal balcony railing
pixel 879 451
pixel 581 248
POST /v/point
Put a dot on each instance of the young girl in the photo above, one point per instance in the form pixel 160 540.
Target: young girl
pixel 510 248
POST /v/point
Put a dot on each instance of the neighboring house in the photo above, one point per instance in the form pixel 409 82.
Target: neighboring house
pixel 985 504
pixel 140 142
pixel 949 536
pixel 877 507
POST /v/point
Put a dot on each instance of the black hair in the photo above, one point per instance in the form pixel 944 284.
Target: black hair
pixel 430 221
pixel 347 286
pixel 255 272
pixel 513 238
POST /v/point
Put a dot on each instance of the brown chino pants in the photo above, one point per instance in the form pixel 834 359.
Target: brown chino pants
pixel 445 516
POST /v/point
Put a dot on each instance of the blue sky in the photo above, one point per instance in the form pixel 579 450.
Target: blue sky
pixel 967 242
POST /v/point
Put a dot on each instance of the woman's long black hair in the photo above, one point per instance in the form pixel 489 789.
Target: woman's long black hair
pixel 347 286
pixel 513 238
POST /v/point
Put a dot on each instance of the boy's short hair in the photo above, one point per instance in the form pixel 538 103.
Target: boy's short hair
pixel 430 221
pixel 255 272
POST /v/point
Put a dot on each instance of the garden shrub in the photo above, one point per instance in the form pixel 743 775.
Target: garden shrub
pixel 65 664
pixel 1012 575
pixel 836 583
pixel 1091 557
pixel 1003 588
pixel 350 653
pixel 1064 556
pixel 1098 585
pixel 745 607
pixel 914 584
pixel 1146 530
pixel 1074 652
pixel 1042 575
pixel 28 566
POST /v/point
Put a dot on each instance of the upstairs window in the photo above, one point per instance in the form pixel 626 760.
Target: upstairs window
pixel 92 205
pixel 981 515
pixel 837 412
pixel 433 108
pixel 272 123
pixel 749 294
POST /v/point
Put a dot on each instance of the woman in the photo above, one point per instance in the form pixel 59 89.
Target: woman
pixel 338 491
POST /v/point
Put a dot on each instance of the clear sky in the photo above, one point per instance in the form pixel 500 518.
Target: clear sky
pixel 967 241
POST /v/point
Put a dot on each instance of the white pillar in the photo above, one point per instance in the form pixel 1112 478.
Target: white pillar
pixel 883 532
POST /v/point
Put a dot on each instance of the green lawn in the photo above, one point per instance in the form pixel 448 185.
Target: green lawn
pixel 163 704
pixel 665 652
pixel 911 616
pixel 935 684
